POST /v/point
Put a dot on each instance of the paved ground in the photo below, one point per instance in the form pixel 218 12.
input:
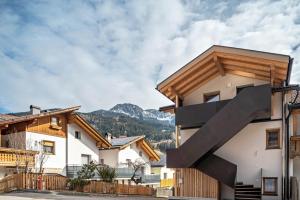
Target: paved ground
pixel 41 196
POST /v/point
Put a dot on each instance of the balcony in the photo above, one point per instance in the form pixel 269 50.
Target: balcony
pixel 10 157
pixel 122 173
pixel 294 146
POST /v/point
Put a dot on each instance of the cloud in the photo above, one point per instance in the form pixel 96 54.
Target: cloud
pixel 99 53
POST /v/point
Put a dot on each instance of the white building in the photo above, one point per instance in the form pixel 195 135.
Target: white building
pixel 63 136
pixel 127 150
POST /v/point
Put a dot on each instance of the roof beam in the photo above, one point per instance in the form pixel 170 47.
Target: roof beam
pixel 272 74
pixel 219 65
pixel 175 92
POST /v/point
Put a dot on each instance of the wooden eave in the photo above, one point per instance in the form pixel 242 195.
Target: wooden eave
pixel 32 117
pixel 168 109
pixel 131 142
pixel 219 60
pixel 143 144
pixel 100 141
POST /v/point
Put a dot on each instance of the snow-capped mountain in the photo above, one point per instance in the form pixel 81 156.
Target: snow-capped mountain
pixel 135 111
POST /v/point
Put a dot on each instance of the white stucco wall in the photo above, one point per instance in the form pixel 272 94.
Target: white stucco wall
pixel 225 84
pixel 132 152
pixel 77 147
pixel 248 148
pixel 110 157
pixel 54 163
pixel 170 172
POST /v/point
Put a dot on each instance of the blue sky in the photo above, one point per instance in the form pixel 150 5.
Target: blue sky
pixel 99 53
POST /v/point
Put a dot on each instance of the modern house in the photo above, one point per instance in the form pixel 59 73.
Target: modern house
pixel 166 174
pixel 128 151
pixel 59 138
pixel 237 125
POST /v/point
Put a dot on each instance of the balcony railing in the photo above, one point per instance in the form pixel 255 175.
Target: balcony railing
pixel 10 157
pixel 122 173
pixel 294 146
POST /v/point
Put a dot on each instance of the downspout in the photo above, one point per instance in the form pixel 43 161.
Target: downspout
pixel 287 154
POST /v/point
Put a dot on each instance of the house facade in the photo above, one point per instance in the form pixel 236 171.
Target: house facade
pixel 235 114
pixel 128 151
pixel 56 138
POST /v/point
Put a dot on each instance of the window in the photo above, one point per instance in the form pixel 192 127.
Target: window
pixel 240 88
pixel 269 185
pixel 165 175
pixel 211 97
pixel 48 147
pixel 140 153
pixel 77 135
pixel 85 159
pixel 55 121
pixel 272 139
pixel 296 124
pixel 102 161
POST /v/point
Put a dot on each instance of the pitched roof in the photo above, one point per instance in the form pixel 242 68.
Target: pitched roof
pixel 160 163
pixel 25 116
pixel 119 142
pixel 5 117
pixel 124 142
pixel 218 60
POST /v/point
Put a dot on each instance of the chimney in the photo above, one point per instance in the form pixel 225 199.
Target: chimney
pixel 108 137
pixel 34 110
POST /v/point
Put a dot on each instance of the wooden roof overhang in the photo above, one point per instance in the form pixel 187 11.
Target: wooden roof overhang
pixel 219 60
pixel 101 142
pixel 15 120
pixel 146 147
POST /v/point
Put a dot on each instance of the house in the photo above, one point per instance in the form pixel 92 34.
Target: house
pixel 58 138
pixel 237 125
pixel 126 151
pixel 166 174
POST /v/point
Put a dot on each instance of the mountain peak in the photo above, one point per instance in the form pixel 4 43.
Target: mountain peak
pixel 129 109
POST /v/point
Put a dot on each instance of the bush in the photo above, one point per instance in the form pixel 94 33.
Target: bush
pixel 107 174
pixel 77 184
pixel 87 171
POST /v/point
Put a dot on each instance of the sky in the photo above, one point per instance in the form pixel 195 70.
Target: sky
pixel 99 53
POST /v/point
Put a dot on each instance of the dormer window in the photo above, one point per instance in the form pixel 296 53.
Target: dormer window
pixel 54 121
pixel 211 97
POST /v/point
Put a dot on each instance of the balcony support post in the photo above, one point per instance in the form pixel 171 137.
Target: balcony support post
pixel 177 128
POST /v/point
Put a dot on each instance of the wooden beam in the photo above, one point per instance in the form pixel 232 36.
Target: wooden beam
pixel 272 74
pixel 173 91
pixel 219 66
pixel 177 128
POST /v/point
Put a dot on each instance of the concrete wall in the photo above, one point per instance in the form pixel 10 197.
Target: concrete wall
pixel 77 147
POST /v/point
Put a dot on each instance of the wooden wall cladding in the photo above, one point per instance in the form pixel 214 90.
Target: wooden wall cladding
pixel 43 125
pixel 191 182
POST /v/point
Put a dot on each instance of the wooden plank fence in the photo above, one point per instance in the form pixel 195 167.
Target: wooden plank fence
pixel 30 181
pixel 58 182
pixel 115 188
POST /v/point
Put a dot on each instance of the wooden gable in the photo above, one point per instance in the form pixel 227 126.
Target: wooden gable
pixel 219 60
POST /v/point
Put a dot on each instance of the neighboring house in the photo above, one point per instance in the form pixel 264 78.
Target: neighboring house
pixel 128 150
pixel 166 174
pixel 59 136
pixel 237 125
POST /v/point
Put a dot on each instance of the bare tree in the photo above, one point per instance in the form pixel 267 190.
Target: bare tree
pixel 137 166
pixel 42 157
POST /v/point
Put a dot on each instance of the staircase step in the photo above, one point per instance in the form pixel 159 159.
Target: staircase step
pixel 245 198
pixel 248 189
pixel 248 192
pixel 248 195
pixel 243 186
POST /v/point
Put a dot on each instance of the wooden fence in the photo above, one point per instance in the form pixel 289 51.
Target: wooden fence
pixel 59 182
pixel 115 188
pixel 33 181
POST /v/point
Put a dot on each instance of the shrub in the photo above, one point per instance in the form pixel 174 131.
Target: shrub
pixel 77 184
pixel 87 171
pixel 106 173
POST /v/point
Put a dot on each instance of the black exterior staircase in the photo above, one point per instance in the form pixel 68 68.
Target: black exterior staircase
pixel 222 121
pixel 247 192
